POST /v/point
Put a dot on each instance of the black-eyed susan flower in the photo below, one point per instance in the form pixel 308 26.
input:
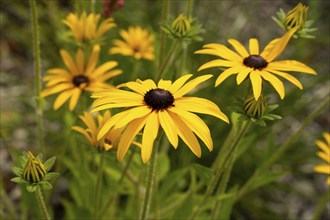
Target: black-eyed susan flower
pixel 151 106
pixel 324 154
pixel 88 27
pixel 108 141
pixel 79 76
pixel 33 172
pixel 137 43
pixel 258 66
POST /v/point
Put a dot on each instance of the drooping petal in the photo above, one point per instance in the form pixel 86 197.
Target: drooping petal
pixel 254 46
pixel 127 137
pixel 191 85
pixel 200 105
pixel 275 82
pixel 256 82
pixel 196 124
pixel 186 134
pixel 290 65
pixel 288 77
pixel 239 47
pixel 169 127
pixel 149 135
pixel 228 72
pixel 84 132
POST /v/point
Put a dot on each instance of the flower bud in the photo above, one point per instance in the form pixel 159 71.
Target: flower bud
pixel 253 108
pixel 33 171
pixel 296 17
pixel 181 25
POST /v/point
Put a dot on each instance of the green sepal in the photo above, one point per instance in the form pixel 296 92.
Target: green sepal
pixel 49 163
pixel 50 176
pixel 16 179
pixel 204 173
pixel 31 187
pixel 259 122
pixel 17 171
pixel 45 185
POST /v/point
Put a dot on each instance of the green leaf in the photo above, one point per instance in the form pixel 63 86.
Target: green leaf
pixel 49 163
pixel 259 122
pixel 17 171
pixel 265 179
pixel 40 156
pixel 163 166
pixel 45 185
pixel 16 180
pixel 50 176
pixel 31 188
pixel 171 181
pixel 204 173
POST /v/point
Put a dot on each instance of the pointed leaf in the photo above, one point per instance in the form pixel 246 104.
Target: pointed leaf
pixel 49 163
pixel 204 173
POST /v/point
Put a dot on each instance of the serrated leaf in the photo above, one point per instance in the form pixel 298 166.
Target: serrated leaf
pixel 17 171
pixel 204 173
pixel 16 180
pixel 49 163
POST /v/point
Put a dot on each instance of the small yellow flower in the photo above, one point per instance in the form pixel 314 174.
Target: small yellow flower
pixel 258 66
pixel 137 43
pixel 152 106
pixel 296 17
pixel 33 171
pixel 87 27
pixel 324 154
pixel 110 138
pixel 78 77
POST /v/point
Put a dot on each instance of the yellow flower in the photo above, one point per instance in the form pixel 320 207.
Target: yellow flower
pixel 259 66
pixel 296 17
pixel 87 27
pixel 105 143
pixel 162 105
pixel 78 77
pixel 325 155
pixel 137 43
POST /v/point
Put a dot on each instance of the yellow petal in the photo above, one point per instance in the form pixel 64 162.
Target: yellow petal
pixel 131 131
pixel 62 98
pixel 228 72
pixel 290 65
pixel 256 82
pixel 169 128
pixel 224 52
pixel 326 136
pixel 191 85
pixel 83 132
pixel 275 82
pixel 217 63
pixel 179 83
pixel 134 113
pixel 164 84
pixel 67 59
pixel 74 98
pixel 323 168
pixel 325 148
pixel 325 157
pixel 93 59
pixel 200 105
pixel 288 77
pixel 196 124
pixel 149 135
pixel 242 75
pixel 239 47
pixel 186 134
pixel 104 68
pixel 80 60
pixel 278 47
pixel 56 89
pixel 254 46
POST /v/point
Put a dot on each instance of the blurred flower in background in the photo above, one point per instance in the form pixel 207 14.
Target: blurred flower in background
pixel 324 154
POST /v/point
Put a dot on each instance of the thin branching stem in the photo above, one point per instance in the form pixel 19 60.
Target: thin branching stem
pixel 98 186
pixel 42 204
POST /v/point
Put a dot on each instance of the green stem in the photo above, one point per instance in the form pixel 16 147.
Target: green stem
pixel 123 174
pixel 92 6
pixel 7 203
pixel 42 204
pixel 166 60
pixel 218 171
pixel 162 33
pixel 189 8
pixel 37 66
pixel 321 205
pixel 98 186
pixel 281 150
pixel 149 183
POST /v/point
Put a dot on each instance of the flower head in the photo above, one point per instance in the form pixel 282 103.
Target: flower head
pixel 137 43
pixel 258 66
pixel 108 141
pixel 33 172
pixel 78 77
pixel 324 154
pixel 151 106
pixel 88 27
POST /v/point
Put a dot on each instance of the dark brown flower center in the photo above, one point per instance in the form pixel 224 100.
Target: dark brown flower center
pixel 159 99
pixel 80 79
pixel 255 61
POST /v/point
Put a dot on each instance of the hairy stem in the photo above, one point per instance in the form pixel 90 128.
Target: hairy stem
pixel 98 186
pixel 41 203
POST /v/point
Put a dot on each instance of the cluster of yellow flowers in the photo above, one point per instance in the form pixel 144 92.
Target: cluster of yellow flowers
pixel 150 105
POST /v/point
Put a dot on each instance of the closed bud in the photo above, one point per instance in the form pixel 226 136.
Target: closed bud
pixel 33 171
pixel 181 25
pixel 254 108
pixel 296 17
